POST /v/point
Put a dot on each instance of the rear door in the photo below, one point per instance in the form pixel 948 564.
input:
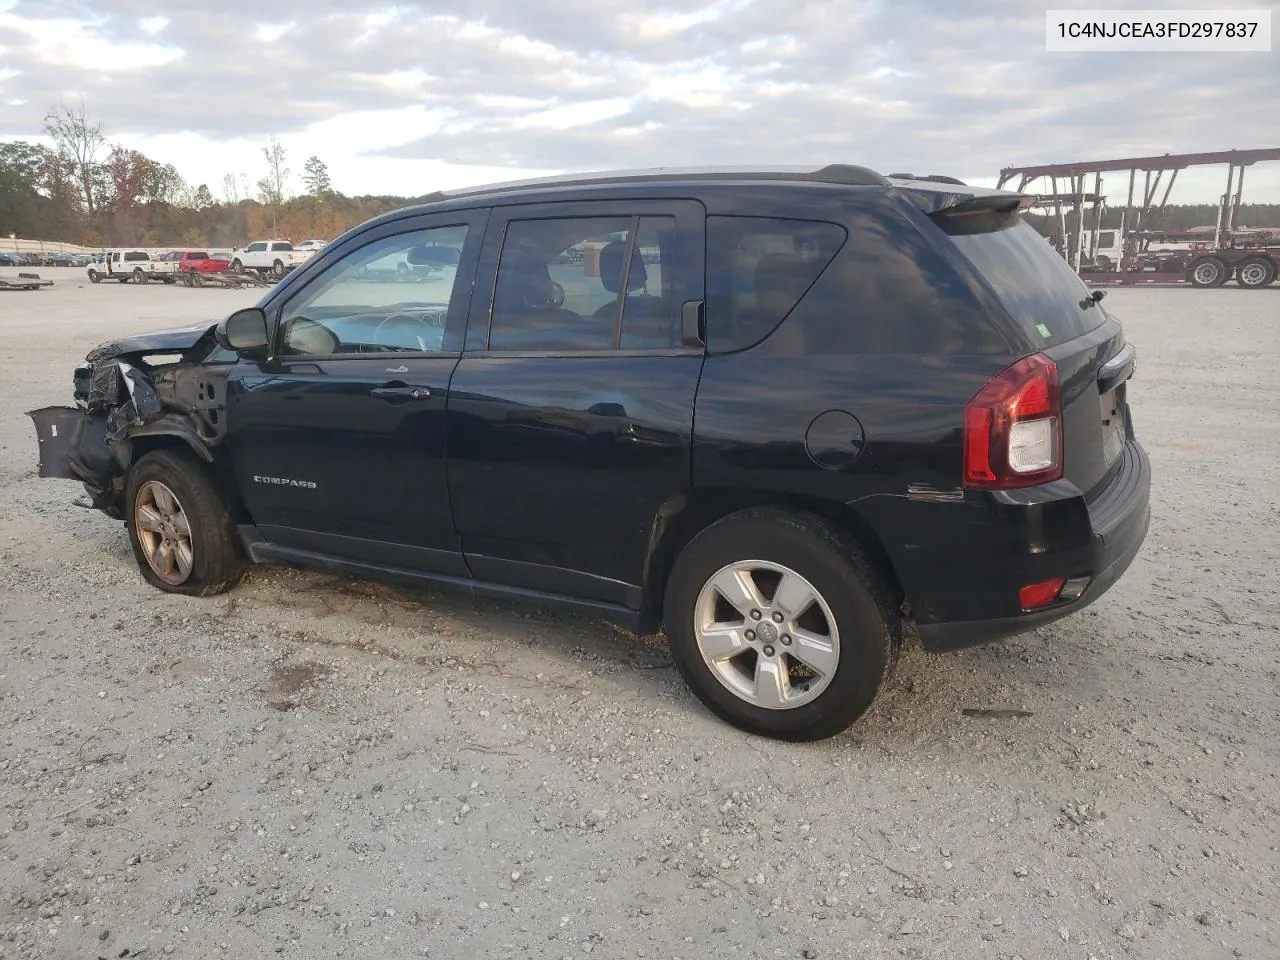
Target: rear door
pixel 571 411
pixel 1056 314
pixel 338 439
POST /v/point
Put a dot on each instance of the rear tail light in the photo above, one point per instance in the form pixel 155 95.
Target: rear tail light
pixel 1036 595
pixel 1013 427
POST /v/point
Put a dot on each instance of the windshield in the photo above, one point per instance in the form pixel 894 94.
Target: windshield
pixel 1034 283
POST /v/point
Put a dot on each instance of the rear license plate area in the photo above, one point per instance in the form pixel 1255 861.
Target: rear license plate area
pixel 1114 413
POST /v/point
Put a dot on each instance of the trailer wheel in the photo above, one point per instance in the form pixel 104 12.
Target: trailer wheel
pixel 1256 272
pixel 93 277
pixel 1209 272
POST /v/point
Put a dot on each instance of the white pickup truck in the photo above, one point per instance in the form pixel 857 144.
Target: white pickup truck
pixel 276 257
pixel 134 266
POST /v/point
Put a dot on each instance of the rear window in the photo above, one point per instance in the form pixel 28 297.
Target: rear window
pixel 1034 283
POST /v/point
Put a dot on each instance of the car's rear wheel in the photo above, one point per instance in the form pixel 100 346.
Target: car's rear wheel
pixel 139 276
pixel 780 625
pixel 180 526
pixel 1209 272
pixel 1256 272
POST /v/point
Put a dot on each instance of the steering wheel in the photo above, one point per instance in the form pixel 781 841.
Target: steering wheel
pixel 407 319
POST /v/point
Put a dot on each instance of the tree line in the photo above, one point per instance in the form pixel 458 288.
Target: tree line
pixel 1175 219
pixel 87 190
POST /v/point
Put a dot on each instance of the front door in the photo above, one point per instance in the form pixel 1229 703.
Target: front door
pixel 571 412
pixel 337 440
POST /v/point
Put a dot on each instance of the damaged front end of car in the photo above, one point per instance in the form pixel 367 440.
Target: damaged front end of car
pixel 132 395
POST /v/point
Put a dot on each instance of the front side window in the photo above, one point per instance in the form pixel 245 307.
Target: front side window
pixel 390 296
pixel 586 283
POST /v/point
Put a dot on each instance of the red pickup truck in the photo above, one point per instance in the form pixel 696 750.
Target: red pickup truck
pixel 195 261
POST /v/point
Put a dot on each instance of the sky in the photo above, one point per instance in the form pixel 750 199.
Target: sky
pixel 435 94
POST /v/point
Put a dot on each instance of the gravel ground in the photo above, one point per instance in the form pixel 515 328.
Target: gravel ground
pixel 318 767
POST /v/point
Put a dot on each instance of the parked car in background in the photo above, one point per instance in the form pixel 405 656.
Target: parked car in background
pixel 312 245
pixel 10 260
pixel 782 412
pixel 276 257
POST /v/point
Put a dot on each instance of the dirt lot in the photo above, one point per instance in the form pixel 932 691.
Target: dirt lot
pixel 315 767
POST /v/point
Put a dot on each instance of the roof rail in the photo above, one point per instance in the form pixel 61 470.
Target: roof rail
pixel 836 173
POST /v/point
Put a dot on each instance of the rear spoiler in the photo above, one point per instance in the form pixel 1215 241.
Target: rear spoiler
pixel 939 202
pixel 975 206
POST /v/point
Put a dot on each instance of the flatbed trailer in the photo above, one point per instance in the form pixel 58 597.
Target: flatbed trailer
pixel 24 281
pixel 225 280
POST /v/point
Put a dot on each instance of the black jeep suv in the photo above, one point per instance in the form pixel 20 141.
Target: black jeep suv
pixel 779 411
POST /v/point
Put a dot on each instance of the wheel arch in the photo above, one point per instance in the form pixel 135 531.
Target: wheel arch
pixel 687 514
pixel 176 435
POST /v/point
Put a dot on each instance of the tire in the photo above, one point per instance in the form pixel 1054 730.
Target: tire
pixel 94 277
pixel 124 279
pixel 277 269
pixel 1208 272
pixel 213 559
pixel 1256 273
pixel 1103 263
pixel 851 607
pixel 139 276
pixel 237 266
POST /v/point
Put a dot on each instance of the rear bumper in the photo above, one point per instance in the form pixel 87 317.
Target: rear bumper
pixel 1056 535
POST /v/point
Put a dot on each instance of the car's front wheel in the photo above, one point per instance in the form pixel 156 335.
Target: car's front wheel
pixel 780 625
pixel 180 526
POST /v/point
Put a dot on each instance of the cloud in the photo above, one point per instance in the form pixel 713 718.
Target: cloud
pixel 400 88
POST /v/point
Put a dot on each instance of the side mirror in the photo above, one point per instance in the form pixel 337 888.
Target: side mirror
pixel 245 331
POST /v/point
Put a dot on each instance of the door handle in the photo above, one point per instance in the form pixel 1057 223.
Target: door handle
pixel 401 393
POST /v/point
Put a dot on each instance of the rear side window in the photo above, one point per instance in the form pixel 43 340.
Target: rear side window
pixel 1034 283
pixel 585 284
pixel 758 269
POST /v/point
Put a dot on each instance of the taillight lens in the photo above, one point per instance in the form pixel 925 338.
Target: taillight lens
pixel 1035 595
pixel 1013 427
